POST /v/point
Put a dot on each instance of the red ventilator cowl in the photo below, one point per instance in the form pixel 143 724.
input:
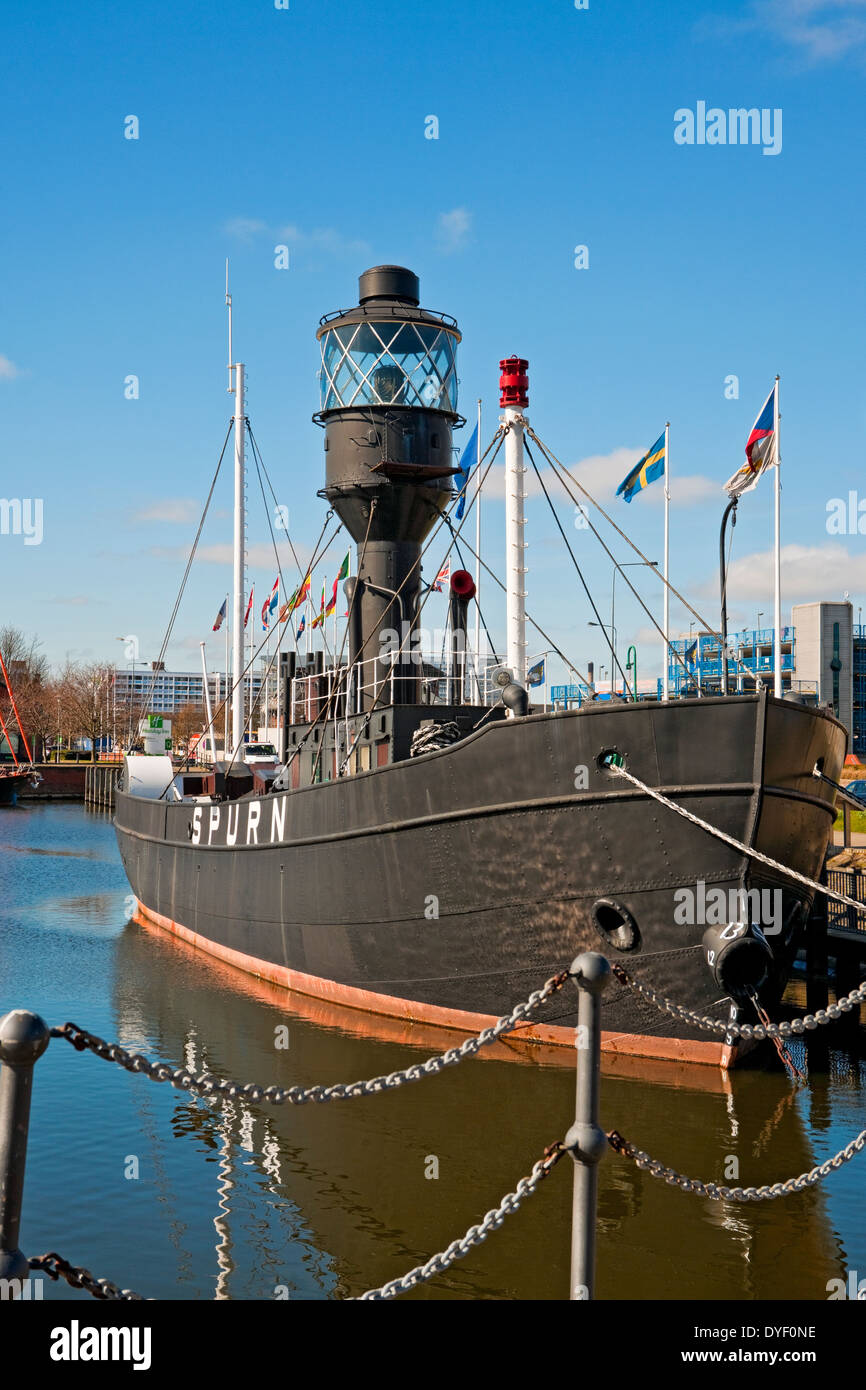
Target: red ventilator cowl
pixel 514 382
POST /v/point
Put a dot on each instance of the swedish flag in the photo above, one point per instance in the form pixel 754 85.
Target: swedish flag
pixel 645 471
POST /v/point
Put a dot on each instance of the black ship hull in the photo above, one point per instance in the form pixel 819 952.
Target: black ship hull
pixel 12 784
pixel 443 889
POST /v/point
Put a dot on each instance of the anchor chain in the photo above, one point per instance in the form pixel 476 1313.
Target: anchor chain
pixel 767 1192
pixel 56 1268
pixel 784 1055
pixel 797 1026
pixel 207 1084
pixel 438 1263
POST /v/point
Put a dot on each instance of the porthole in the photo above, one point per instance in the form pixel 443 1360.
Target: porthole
pixel 615 925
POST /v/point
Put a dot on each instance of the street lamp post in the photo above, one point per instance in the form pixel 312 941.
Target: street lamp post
pixel 613 650
pixel 631 663
pixel 629 564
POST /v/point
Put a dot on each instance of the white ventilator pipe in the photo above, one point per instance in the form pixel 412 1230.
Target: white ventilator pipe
pixel 207 702
pixel 238 662
pixel 777 556
pixel 666 620
pixel 514 398
pixel 478 560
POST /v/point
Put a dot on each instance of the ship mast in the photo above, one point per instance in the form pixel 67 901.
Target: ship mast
pixel 239 553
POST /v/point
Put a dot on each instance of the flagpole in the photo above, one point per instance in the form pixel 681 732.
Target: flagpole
pixel 280 745
pixel 249 711
pixel 267 676
pixel 777 607
pixel 666 622
pixel 228 685
pixel 478 558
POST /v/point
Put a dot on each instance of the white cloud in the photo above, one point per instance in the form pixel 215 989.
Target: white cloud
pixel 245 228
pixel 325 239
pixel 260 556
pixel 819 30
pixel 453 230
pixel 8 369
pixel 822 29
pixel 170 509
pixel 809 572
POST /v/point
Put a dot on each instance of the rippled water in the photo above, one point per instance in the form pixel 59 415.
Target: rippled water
pixel 322 1202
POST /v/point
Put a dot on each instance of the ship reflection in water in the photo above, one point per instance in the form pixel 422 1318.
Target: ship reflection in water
pixel 235 1201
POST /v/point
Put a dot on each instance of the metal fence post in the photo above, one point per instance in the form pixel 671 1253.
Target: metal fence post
pixel 586 1140
pixel 23 1039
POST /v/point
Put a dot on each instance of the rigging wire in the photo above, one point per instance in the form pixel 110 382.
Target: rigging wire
pixel 142 710
pixel 332 698
pixel 260 467
pixel 612 644
pixel 317 556
pixel 254 703
pixel 450 526
pixel 540 630
pixel 619 569
pixel 553 460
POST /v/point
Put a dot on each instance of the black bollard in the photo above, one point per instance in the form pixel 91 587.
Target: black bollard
pixel 23 1039
pixel 586 1140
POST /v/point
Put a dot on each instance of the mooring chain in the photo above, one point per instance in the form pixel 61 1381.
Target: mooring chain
pixel 718 1192
pixel 784 1055
pixel 56 1268
pixel 795 1028
pixel 748 850
pixel 207 1084
pixel 438 1263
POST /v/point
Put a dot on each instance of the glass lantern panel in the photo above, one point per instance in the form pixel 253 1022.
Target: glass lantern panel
pixel 389 363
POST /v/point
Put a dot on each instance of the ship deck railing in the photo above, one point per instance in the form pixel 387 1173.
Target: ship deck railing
pixel 345 691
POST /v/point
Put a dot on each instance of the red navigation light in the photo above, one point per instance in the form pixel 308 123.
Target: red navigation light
pixel 514 382
pixel 463 585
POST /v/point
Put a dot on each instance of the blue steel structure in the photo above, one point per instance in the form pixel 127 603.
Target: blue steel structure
pixel 753 648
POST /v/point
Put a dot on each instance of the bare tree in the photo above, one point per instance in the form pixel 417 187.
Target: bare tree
pixel 23 653
pixel 85 692
pixel 185 721
pixel 27 671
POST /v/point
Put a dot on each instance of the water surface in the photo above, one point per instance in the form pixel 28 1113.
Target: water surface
pixel 319 1202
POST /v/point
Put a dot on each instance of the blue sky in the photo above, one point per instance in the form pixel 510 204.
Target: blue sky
pixel 306 126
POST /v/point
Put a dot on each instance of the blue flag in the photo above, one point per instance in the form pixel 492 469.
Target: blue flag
pixel 645 471
pixel 535 675
pixel 468 460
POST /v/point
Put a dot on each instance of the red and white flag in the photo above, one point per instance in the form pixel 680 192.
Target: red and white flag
pixel 443 576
